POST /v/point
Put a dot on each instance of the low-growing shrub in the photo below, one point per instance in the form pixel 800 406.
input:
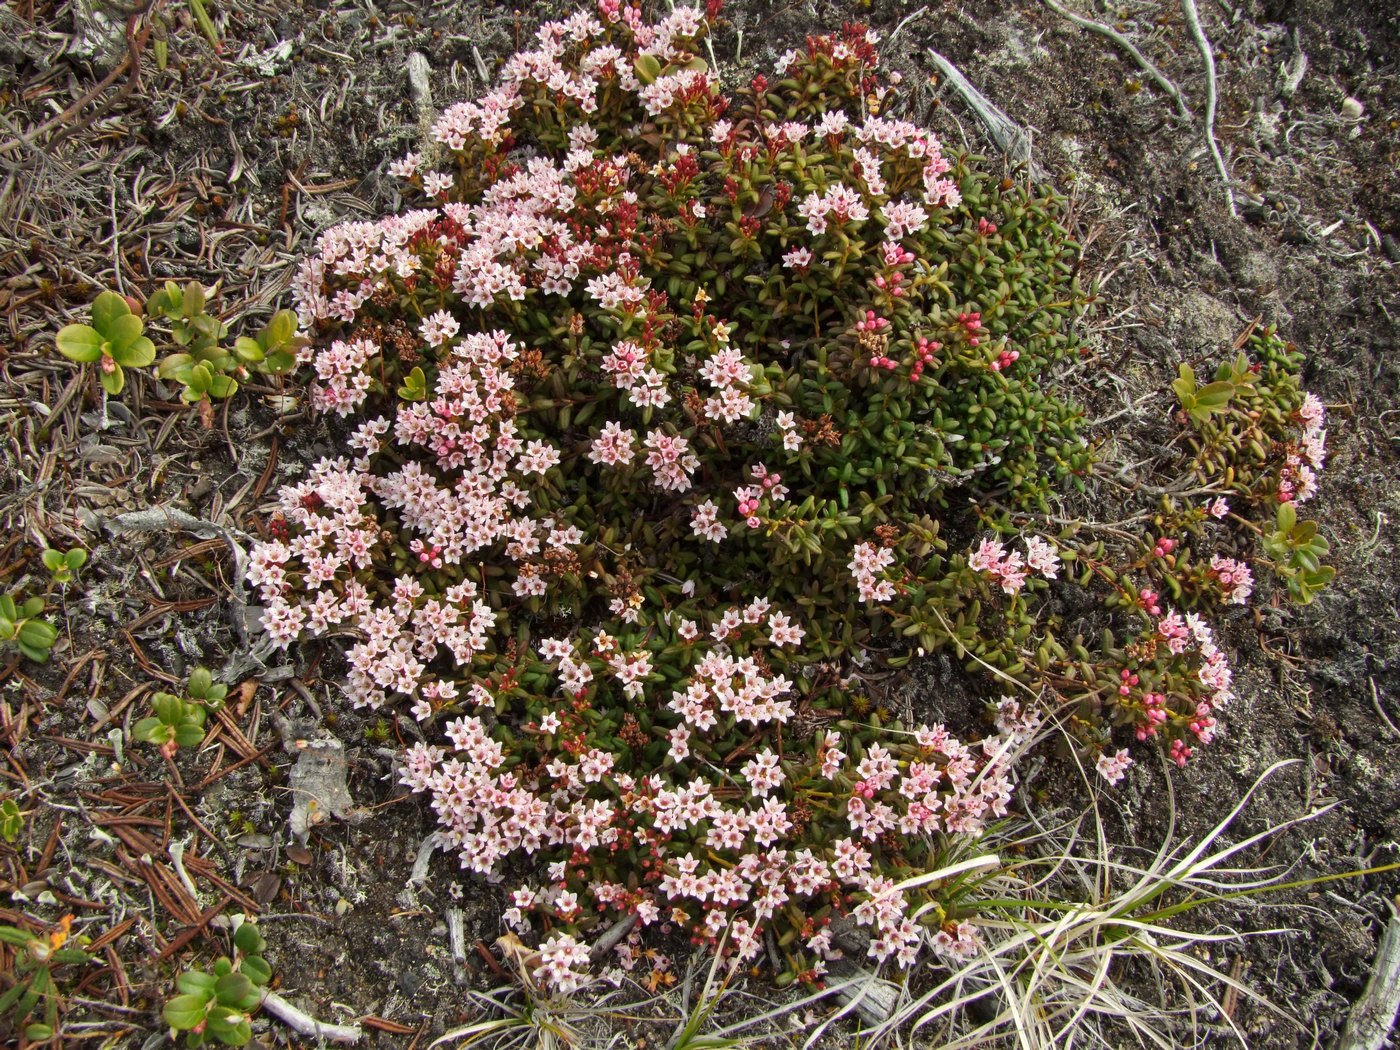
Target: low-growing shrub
pixel 21 626
pixel 178 720
pixel 676 420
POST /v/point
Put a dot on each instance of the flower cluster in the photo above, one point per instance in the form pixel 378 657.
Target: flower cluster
pixel 651 404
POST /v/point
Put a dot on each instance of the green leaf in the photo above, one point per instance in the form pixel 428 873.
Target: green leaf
pixel 189 735
pixel 76 558
pixel 168 708
pixel 280 329
pixel 232 987
pixel 151 731
pixel 222 386
pixel 53 560
pixel 113 381
pixel 139 354
pixel 278 362
pixel 415 386
pixel 107 309
pixel 14 935
pixel 647 68
pixel 196 982
pixel 238 1035
pixel 225 1018
pixel 257 969
pixel 122 332
pixel 175 366
pixel 248 939
pixel 193 304
pixel 248 349
pixel 1215 396
pixel 11 997
pixel 184 1012
pixel 38 1033
pixel 78 342
pixel 199 683
pixel 39 656
pixel 38 634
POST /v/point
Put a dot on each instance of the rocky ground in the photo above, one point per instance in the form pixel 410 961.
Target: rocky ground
pixel 120 168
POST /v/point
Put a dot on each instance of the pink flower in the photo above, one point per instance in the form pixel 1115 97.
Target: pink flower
pixel 680 743
pixel 562 958
pixel 1042 557
pixel 705 524
pixel 671 460
pixel 798 259
pixel 406 167
pixel 615 446
pixel 763 772
pixel 1114 769
pixel 1235 578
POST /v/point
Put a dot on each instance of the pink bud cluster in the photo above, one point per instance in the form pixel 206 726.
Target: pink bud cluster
pixel 972 324
pixel 1201 666
pixel 892 285
pixel 925 351
pixel 747 497
pixel 1005 360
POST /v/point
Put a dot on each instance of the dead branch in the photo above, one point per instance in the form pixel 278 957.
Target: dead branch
pixel 1127 45
pixel 305 1024
pixel 1008 136
pixel 1193 22
pixel 1371 1019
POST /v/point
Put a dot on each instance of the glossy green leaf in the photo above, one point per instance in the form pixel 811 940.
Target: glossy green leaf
pixel 185 1012
pixel 114 381
pixel 79 342
pixel 107 309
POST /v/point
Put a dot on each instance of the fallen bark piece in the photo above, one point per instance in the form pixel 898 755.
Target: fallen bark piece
pixel 318 784
pixel 870 995
pixel 420 75
pixel 1373 1016
pixel 610 939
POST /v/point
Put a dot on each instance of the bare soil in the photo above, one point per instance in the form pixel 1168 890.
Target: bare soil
pixel 224 167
